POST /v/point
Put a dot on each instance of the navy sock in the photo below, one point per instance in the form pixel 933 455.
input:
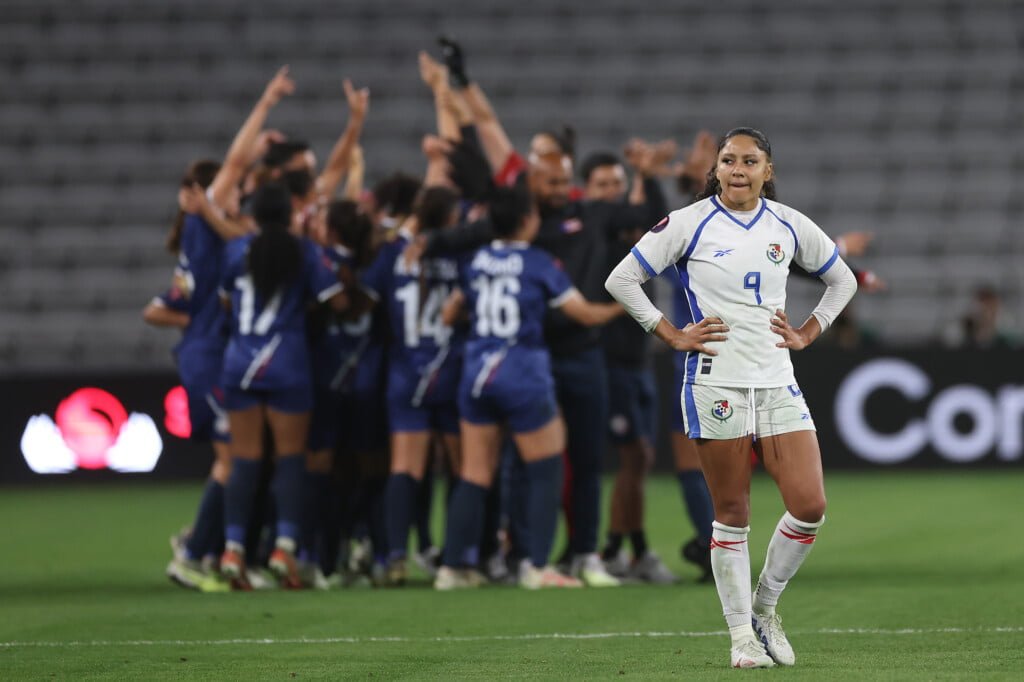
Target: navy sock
pixel 614 545
pixel 465 522
pixel 314 517
pixel 331 527
pixel 519 524
pixel 638 539
pixel 289 495
pixel 492 521
pixel 399 503
pixel 698 502
pixel 544 483
pixel 424 502
pixel 239 495
pixel 376 519
pixel 209 521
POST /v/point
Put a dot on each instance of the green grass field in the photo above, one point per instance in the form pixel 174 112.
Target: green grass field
pixel 915 576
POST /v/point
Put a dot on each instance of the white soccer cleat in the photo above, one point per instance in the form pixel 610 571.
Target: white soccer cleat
pixel 428 560
pixel 457 579
pixel 750 653
pixel 590 569
pixel 533 578
pixel 651 569
pixel 769 629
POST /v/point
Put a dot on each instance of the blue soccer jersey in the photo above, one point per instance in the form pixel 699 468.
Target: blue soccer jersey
pixel 509 288
pixel 424 355
pixel 200 353
pixel 268 346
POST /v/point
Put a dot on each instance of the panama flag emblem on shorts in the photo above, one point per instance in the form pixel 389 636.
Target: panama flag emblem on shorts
pixel 775 253
pixel 722 410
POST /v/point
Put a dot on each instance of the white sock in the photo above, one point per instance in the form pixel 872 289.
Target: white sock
pixel 730 562
pixel 790 545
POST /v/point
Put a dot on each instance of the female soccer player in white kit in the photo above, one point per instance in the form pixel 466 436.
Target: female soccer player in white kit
pixel 732 249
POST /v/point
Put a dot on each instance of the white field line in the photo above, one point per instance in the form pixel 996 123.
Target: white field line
pixel 488 638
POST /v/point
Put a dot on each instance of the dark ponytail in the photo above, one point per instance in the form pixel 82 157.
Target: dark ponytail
pixel 352 228
pixel 200 173
pixel 275 255
pixel 712 188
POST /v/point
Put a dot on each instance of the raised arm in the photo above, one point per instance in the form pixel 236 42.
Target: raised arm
pixel 340 160
pixel 240 154
pixel 356 177
pixel 493 138
pixel 435 77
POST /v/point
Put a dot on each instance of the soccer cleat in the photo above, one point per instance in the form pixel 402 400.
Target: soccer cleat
pixel 769 628
pixel 533 578
pixel 618 565
pixel 283 565
pixel 750 653
pixel 696 552
pixel 232 567
pixel 428 560
pixel 590 569
pixel 457 579
pixel 651 569
pixel 188 574
pixel 179 541
pixel 496 568
pixel 397 572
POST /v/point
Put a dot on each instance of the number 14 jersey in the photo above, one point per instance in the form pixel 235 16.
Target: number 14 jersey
pixel 734 265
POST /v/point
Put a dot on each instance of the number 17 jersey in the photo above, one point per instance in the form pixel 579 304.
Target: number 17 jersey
pixel 734 266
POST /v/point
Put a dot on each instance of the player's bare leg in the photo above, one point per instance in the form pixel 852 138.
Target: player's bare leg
pixel 794 461
pixel 726 465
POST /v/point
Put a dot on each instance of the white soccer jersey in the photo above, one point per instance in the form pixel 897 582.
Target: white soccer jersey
pixel 733 265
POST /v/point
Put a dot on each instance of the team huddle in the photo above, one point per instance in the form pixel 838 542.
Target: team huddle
pixel 337 352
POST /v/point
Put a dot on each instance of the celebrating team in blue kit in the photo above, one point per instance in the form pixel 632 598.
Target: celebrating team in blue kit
pixel 342 347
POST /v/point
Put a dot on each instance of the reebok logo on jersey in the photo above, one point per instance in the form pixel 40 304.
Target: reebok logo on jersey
pixel 722 410
pixel 723 252
pixel 775 253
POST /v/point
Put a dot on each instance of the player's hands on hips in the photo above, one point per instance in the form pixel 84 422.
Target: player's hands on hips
pixel 696 336
pixel 793 339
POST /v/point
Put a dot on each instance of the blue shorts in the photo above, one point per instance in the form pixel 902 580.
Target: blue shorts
pixel 418 403
pixel 633 409
pixel 291 399
pixel 512 386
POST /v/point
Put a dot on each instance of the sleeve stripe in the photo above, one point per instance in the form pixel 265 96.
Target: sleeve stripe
pixel 643 262
pixel 563 298
pixel 335 288
pixel 831 261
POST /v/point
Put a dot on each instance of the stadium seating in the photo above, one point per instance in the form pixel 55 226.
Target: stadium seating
pixel 898 116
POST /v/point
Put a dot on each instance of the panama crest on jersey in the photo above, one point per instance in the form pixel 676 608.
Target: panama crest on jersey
pixel 722 410
pixel 775 253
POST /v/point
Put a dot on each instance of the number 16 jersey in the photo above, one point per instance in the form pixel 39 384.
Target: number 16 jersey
pixel 734 265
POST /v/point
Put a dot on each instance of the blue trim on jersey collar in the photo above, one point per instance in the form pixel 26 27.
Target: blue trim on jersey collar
pixel 825 268
pixel 643 261
pixel 796 242
pixel 745 226
pixel 696 235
